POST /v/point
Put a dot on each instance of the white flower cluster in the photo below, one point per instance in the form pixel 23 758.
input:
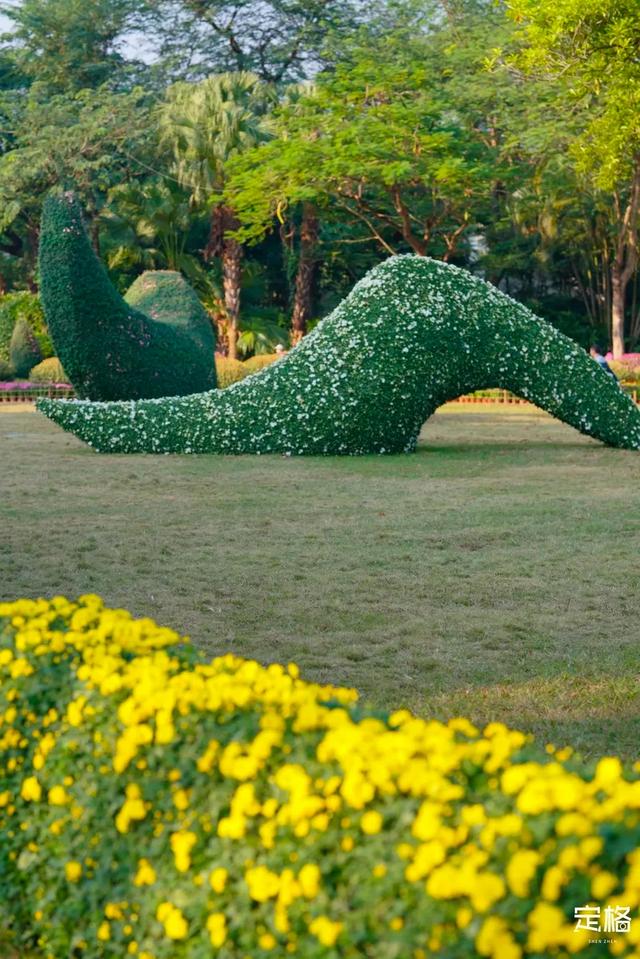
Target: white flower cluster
pixel 411 335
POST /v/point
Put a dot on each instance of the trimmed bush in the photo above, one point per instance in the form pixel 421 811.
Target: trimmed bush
pixel 260 360
pixel 49 371
pixel 229 371
pixel 26 306
pixel 109 349
pixel 24 349
pixel 411 335
pixel 6 371
pixel 627 372
pixel 157 805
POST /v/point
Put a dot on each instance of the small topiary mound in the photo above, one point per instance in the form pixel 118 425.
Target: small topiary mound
pixel 157 805
pixel 110 350
pixel 229 371
pixel 48 371
pixel 166 297
pixel 411 335
pixel 24 349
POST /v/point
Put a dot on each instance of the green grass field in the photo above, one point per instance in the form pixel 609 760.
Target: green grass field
pixel 495 573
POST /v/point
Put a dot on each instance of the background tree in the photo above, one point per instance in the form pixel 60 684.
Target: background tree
pixel 594 47
pixel 68 45
pixel 205 125
pixel 278 40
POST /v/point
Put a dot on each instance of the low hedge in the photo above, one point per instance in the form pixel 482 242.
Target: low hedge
pixel 160 806
pixel 260 360
pixel 48 371
pixel 229 371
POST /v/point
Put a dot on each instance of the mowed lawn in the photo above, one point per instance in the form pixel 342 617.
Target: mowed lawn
pixel 495 574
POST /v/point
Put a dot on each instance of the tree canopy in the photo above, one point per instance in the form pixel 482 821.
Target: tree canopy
pixel 277 150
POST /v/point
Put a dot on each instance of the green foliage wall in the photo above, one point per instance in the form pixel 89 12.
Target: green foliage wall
pixel 110 350
pixel 24 349
pixel 411 335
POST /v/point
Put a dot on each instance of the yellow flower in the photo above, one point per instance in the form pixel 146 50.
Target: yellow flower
pixel 309 879
pixel 325 930
pixel 218 879
pixel 73 871
pixel 495 939
pixel 31 790
pixel 182 843
pixel 553 881
pixel 371 822
pixel 146 874
pixel 104 932
pixel 521 869
pixel 175 925
pixel 267 941
pixel 263 884
pixel 602 884
pixel 58 796
pixel 379 870
pixel 217 928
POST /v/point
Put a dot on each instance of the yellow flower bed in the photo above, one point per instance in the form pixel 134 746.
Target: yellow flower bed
pixel 158 806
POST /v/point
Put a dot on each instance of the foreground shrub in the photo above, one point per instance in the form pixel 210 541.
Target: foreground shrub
pixel 229 371
pixel 157 805
pixel 24 349
pixel 6 371
pixel 49 371
pixel 411 335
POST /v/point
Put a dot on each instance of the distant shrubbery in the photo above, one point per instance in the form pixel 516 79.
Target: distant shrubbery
pixel 232 371
pixel 627 369
pixel 259 361
pixel 25 306
pixel 48 371
pixel 24 348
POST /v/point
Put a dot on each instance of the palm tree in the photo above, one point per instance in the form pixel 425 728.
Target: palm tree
pixel 147 224
pixel 205 124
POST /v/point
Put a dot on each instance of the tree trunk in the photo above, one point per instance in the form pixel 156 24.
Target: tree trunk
pixel 223 222
pixel 301 314
pixel 625 261
pixel 231 279
pixel 618 290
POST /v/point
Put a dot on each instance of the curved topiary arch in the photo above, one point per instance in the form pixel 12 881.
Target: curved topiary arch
pixel 411 335
pixel 109 349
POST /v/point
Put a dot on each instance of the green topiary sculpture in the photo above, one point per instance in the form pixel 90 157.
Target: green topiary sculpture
pixel 24 349
pixel 412 334
pixel 109 349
